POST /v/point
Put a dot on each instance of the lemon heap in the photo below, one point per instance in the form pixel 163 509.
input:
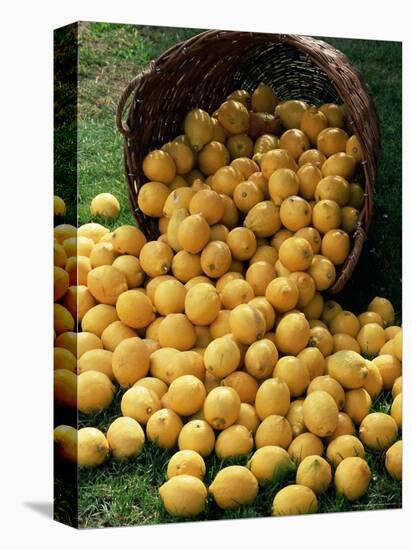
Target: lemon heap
pixel 219 335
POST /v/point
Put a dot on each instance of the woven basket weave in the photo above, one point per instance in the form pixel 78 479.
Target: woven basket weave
pixel 203 70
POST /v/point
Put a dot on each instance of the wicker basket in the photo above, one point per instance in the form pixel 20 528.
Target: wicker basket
pixel 203 70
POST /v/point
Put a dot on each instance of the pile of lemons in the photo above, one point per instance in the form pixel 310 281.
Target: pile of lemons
pixel 220 333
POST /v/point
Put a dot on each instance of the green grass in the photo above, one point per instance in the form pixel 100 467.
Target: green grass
pixel 110 56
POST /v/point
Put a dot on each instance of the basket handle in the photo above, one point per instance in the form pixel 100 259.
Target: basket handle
pixel 122 126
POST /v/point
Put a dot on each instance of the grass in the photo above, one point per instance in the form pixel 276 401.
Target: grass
pixel 109 56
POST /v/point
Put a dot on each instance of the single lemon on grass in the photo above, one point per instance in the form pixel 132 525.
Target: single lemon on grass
pixel 163 428
pixel 92 447
pixel 314 472
pixel 343 447
pixel 270 464
pixel 222 407
pixel 378 431
pixel 234 486
pixel 125 437
pixel 186 395
pixel 105 205
pixel 184 496
pixel 186 462
pixel 304 445
pixel 274 430
pixel 294 500
pixel 140 403
pixel 352 478
pixel 197 435
pixel 236 440
pixel 95 391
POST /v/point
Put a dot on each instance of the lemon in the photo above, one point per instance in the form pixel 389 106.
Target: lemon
pixel 234 486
